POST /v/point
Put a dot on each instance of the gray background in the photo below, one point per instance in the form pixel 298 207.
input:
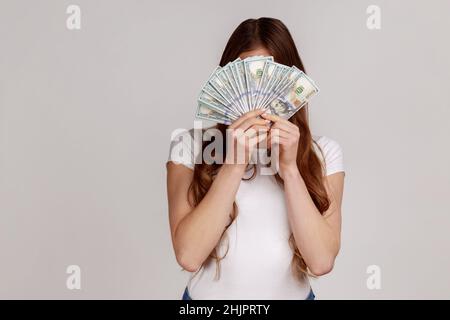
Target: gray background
pixel 86 116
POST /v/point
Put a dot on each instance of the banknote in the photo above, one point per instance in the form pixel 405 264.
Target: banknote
pixel 206 113
pixel 296 97
pixel 254 69
pixel 256 82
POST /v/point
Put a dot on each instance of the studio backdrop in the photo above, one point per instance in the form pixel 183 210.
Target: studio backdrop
pixel 91 91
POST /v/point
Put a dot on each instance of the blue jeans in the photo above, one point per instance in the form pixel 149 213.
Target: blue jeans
pixel 186 295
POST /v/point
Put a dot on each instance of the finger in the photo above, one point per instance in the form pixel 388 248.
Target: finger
pixel 248 115
pixel 283 141
pixel 278 120
pixel 278 140
pixel 272 117
pixel 251 122
pixel 255 141
pixel 280 137
pixel 251 132
pixel 260 128
pixel 256 131
pixel 291 129
pixel 252 142
pixel 280 133
pixel 262 140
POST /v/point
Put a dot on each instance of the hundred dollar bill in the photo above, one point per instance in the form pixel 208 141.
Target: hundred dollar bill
pixel 231 83
pixel 208 89
pixel 253 83
pixel 237 70
pixel 204 112
pixel 278 76
pixel 216 105
pixel 253 71
pixel 303 89
pixel 298 95
pixel 269 69
pixel 288 78
pixel 220 82
pixel 240 68
pixel 211 96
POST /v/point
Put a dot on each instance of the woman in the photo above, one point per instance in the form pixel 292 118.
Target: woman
pixel 245 235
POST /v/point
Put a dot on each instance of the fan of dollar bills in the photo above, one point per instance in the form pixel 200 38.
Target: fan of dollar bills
pixel 254 83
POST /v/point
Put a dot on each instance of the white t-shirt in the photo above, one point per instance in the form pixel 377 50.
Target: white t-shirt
pixel 257 265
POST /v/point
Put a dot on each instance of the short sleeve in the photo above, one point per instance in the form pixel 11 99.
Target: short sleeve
pixel 332 155
pixel 182 149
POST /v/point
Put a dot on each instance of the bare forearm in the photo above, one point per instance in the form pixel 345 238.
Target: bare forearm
pixel 314 237
pixel 199 232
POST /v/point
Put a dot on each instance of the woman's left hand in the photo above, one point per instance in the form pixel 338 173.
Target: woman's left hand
pixel 288 135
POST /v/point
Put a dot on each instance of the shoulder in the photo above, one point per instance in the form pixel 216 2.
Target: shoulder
pixel 330 152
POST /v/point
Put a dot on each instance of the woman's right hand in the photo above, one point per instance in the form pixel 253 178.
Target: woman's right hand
pixel 243 136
